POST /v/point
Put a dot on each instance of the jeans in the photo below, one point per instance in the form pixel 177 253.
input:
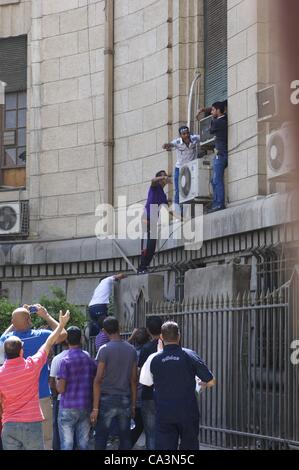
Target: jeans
pixel 71 421
pixel 148 410
pixel 23 436
pixel 219 165
pixel 114 406
pixel 176 185
pixel 169 432
pixel 56 438
pixel 148 246
pixel 97 313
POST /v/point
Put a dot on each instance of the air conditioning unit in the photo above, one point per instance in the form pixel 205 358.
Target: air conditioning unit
pixel 267 100
pixel 14 218
pixel 194 181
pixel 281 154
pixel 207 140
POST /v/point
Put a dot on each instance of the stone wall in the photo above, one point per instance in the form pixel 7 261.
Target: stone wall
pixel 247 73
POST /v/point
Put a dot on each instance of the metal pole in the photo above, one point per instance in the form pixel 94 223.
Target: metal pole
pixel 2 103
pixel 197 77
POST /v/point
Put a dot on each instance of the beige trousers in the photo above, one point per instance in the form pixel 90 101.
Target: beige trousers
pixel 46 407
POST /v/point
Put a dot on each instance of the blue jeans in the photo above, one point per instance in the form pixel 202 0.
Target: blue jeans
pixel 56 439
pixel 219 165
pixel 114 406
pixel 23 436
pixel 148 411
pixel 169 433
pixel 71 421
pixel 176 185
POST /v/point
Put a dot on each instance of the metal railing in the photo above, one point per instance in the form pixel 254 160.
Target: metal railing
pixel 246 342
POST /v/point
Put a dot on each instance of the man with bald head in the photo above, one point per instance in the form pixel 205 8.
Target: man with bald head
pixel 19 386
pixel 22 328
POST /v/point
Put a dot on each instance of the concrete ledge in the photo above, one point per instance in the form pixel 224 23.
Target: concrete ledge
pixel 270 211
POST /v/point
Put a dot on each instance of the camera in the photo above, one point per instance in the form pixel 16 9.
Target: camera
pixel 33 309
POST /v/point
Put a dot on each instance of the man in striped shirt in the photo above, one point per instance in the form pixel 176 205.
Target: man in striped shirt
pixel 19 385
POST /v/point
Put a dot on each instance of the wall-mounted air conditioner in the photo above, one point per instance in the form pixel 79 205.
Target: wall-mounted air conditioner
pixel 14 218
pixel 281 154
pixel 194 181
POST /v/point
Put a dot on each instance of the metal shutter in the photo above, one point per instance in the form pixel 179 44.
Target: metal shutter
pixel 13 63
pixel 215 51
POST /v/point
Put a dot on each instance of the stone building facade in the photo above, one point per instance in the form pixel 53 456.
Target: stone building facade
pixel 158 47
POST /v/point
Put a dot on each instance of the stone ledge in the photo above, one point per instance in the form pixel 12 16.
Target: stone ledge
pixel 264 213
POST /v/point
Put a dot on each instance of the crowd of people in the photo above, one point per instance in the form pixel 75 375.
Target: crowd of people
pixel 75 401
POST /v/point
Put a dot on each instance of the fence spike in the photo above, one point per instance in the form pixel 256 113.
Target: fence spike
pixel 211 302
pixel 217 301
pixel 268 297
pixel 202 303
pixel 221 305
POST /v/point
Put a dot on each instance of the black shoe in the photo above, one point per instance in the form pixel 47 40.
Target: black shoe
pixel 142 271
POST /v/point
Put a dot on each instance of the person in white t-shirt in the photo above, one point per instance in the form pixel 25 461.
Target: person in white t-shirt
pixel 98 306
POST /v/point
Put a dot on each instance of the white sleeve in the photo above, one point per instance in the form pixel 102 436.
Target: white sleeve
pixel 54 367
pixel 146 377
pixel 175 142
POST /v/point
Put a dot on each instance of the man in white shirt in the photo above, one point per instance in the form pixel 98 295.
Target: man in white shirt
pixel 98 306
pixel 185 147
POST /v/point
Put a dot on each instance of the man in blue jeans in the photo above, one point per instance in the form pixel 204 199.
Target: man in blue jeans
pixel 98 305
pixel 114 388
pixel 148 408
pixel 219 127
pixel 75 381
pixel 185 147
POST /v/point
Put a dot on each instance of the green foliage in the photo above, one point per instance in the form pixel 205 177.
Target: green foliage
pixel 59 302
pixel 6 309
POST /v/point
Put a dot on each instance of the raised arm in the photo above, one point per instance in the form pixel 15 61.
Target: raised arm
pixel 52 339
pixel 42 313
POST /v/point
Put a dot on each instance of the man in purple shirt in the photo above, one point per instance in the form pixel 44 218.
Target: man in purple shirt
pixel 75 382
pixel 156 197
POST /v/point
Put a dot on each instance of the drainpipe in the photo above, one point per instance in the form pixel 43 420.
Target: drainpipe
pixel 2 103
pixel 191 93
pixel 108 102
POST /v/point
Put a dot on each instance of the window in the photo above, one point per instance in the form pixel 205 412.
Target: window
pixel 13 71
pixel 14 130
pixel 215 12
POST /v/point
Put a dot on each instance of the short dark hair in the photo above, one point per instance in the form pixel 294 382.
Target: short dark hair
pixel 74 335
pixel 154 324
pixel 111 325
pixel 160 173
pixel 219 105
pixel 183 128
pixel 142 336
pixel 170 331
pixel 12 347
pixel 100 319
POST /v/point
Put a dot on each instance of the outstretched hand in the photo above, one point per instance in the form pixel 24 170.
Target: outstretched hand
pixel 64 318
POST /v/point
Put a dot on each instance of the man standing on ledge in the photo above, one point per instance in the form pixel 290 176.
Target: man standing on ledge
pixel 173 373
pixel 155 199
pixel 185 147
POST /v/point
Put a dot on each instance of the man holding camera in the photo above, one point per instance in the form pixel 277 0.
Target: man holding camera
pixel 21 327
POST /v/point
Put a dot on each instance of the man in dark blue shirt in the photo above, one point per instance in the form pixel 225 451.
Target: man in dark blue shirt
pixel 173 373
pixel 148 408
pixel 219 128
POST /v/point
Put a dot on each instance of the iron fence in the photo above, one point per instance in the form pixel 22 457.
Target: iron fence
pixel 246 342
